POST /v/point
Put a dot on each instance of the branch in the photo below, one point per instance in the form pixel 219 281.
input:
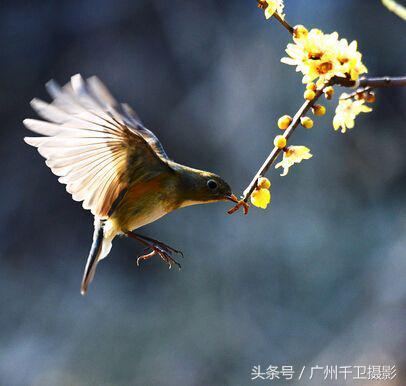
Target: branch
pixel 363 85
pixel 263 4
pixel 370 83
pixel 288 132
pixel 289 28
pixel 383 82
pixel 396 8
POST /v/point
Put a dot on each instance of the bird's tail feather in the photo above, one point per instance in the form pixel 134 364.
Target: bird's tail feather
pixel 100 249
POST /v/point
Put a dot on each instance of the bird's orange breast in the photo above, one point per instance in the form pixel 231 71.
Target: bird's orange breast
pixel 144 202
pixel 144 189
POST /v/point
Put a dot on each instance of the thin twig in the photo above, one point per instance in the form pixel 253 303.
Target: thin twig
pixel 366 84
pixel 344 82
pixel 276 151
pixel 263 5
pixel 289 28
pixel 359 92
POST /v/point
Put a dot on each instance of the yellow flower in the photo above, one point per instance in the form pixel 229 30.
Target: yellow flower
pixel 313 54
pixel 319 56
pixel 300 32
pixel 350 59
pixel 261 198
pixel 272 6
pixel 346 112
pixel 293 155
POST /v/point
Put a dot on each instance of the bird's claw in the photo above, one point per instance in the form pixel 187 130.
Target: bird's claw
pixel 163 251
pixel 166 256
pixel 169 249
pixel 161 245
pixel 145 256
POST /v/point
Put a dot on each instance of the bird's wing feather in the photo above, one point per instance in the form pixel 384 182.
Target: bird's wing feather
pixel 95 147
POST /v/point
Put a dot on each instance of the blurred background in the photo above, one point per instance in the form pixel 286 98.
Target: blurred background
pixel 317 279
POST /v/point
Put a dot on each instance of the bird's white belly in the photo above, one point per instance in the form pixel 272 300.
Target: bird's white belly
pixel 141 220
pixel 113 227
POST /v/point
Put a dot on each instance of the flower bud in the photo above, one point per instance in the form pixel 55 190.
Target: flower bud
pixel 318 110
pixel 284 122
pixel 306 122
pixel 280 141
pixel 311 86
pixel 263 183
pixel 309 95
pixel 370 98
pixel 329 92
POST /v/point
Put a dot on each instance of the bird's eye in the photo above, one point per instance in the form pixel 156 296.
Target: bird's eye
pixel 212 185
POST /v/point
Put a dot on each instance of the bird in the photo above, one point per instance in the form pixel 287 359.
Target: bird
pixel 115 166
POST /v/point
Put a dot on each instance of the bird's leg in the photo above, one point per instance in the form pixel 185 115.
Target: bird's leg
pixel 157 248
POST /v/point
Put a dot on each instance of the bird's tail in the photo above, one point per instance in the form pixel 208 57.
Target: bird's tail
pixel 101 247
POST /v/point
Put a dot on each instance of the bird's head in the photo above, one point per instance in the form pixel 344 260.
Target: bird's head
pixel 201 187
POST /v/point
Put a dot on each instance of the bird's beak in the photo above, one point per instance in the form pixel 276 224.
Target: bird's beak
pixel 232 197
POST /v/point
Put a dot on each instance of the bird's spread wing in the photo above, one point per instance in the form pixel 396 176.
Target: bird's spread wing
pixel 96 147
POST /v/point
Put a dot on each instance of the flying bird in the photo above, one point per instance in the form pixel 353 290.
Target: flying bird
pixel 117 167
